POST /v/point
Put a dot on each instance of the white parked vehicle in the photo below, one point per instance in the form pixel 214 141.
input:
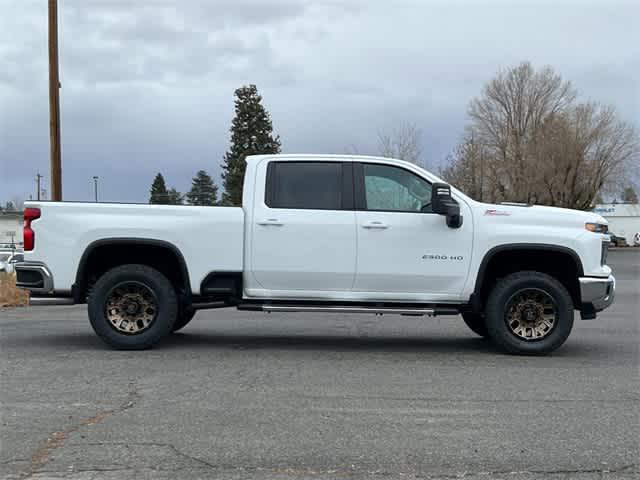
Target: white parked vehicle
pixel 4 260
pixel 320 233
pixel 8 260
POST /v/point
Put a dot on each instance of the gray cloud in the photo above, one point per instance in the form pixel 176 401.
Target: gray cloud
pixel 148 86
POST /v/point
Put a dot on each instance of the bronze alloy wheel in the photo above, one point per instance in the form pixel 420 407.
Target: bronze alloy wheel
pixel 531 314
pixel 131 307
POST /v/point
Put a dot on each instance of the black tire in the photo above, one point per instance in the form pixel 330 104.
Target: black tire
pixel 519 283
pixel 164 298
pixel 476 323
pixel 184 317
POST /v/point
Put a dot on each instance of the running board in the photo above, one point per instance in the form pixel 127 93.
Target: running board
pixel 350 309
pixel 42 301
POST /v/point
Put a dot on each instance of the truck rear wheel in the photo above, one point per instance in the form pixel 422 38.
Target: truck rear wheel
pixel 131 307
pixel 476 323
pixel 529 313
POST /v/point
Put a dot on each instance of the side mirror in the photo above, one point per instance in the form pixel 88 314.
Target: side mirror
pixel 440 198
pixel 443 203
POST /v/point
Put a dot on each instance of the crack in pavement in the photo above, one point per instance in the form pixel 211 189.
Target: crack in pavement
pixel 14 460
pixel 42 455
pixel 155 444
pixel 341 472
pixel 296 471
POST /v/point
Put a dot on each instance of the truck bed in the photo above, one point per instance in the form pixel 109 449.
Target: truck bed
pixel 209 238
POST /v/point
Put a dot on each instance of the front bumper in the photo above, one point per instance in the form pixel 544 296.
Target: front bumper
pixel 596 294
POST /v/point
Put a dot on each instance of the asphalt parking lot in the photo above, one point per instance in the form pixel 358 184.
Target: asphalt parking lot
pixel 241 395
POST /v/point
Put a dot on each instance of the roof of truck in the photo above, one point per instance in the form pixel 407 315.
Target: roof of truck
pixel 326 157
pixel 316 156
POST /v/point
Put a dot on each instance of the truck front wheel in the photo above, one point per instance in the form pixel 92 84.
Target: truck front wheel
pixel 131 307
pixel 529 313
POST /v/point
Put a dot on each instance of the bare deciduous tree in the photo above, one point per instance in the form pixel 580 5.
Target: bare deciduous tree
pixel 468 168
pixel 402 143
pixel 530 141
pixel 351 149
pixel 580 152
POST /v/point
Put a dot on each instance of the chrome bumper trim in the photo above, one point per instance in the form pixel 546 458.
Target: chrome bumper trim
pixel 43 286
pixel 598 292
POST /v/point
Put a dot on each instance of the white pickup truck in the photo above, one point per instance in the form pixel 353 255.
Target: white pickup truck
pixel 323 233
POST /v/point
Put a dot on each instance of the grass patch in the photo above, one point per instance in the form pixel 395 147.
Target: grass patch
pixel 10 295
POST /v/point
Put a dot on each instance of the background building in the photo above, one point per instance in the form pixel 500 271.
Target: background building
pixel 10 229
pixel 623 218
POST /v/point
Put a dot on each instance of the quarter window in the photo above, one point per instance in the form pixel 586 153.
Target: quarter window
pixel 304 185
pixel 390 188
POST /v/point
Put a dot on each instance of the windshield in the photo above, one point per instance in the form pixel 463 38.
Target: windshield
pixel 4 257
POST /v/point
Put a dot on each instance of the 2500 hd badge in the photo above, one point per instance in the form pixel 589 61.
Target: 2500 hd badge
pixel 430 256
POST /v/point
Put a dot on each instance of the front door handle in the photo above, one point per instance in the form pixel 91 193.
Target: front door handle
pixel 271 221
pixel 378 225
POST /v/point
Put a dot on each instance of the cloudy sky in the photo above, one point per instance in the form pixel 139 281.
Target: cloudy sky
pixel 147 86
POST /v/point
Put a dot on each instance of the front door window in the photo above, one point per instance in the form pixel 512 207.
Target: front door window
pixel 395 189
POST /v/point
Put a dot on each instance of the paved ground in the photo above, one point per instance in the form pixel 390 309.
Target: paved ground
pixel 242 395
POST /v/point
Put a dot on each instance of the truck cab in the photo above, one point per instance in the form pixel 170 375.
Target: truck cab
pixel 349 230
pixel 324 233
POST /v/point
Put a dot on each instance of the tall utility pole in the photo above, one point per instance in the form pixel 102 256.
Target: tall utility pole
pixel 54 104
pixel 38 177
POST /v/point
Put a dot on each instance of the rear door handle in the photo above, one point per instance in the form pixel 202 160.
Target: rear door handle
pixel 378 225
pixel 271 221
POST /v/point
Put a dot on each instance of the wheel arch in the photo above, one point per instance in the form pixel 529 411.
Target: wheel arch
pixel 491 266
pixel 131 246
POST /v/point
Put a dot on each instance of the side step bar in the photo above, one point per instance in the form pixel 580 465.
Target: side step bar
pixel 40 301
pixel 349 309
pixel 208 305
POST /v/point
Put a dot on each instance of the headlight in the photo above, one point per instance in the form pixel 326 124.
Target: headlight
pixel 596 227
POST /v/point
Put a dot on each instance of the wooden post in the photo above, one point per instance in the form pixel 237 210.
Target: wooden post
pixel 54 104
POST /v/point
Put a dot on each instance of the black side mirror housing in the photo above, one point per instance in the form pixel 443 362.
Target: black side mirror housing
pixel 443 203
pixel 440 198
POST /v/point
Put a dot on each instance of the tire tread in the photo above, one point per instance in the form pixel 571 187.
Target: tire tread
pixel 494 313
pixel 163 324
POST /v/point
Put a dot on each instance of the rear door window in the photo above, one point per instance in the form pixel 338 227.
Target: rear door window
pixel 305 185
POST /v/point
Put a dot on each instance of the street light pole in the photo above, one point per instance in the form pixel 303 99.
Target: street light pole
pixel 54 104
pixel 95 187
pixel 38 190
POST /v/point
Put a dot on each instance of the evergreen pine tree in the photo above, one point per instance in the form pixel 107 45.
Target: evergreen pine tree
pixel 203 190
pixel 159 194
pixel 251 134
pixel 630 195
pixel 175 197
